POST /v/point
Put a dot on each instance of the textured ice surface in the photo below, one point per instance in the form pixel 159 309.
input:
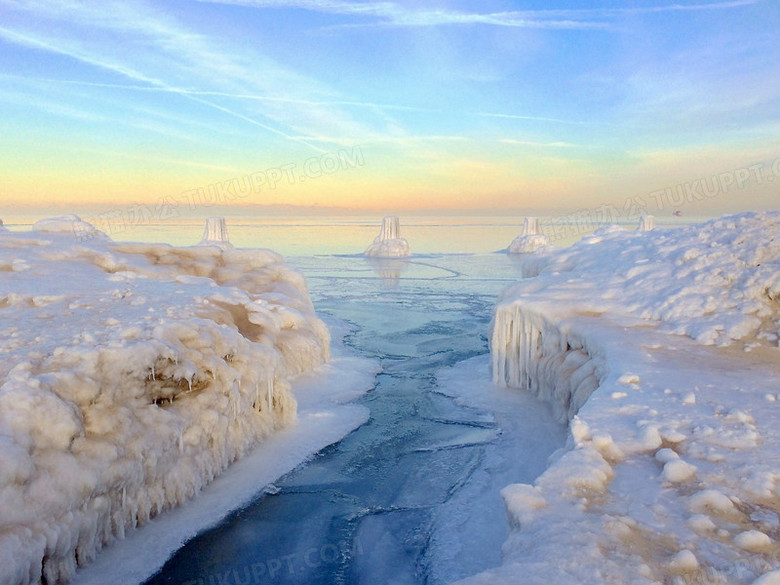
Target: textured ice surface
pixel 131 376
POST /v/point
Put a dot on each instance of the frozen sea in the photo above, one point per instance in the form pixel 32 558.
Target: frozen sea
pixel 412 495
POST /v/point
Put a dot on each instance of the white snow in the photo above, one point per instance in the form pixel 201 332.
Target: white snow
pixel 134 374
pixel 672 469
pixel 389 243
pixel 68 224
pixel 530 239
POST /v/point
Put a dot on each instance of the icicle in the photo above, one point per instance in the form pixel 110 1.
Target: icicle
pixel 270 395
pixel 181 441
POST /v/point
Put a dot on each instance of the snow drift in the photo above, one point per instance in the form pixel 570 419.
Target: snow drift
pixel 661 348
pixel 132 375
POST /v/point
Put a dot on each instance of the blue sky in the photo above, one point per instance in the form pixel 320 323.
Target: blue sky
pixel 464 105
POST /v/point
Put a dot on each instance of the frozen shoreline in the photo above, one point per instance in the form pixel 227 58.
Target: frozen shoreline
pixel 133 375
pixel 324 417
pixel 671 473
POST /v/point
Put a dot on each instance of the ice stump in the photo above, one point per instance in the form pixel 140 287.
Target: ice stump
pixel 389 243
pixel 530 240
pixel 646 223
pixel 215 233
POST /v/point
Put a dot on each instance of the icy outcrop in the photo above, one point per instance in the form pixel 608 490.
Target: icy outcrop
pixel 2 227
pixel 215 233
pixel 131 376
pixel 530 352
pixel 646 223
pixel 389 243
pixel 530 240
pixel 69 224
pixel 670 472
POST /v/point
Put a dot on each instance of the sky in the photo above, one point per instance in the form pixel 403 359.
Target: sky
pixel 498 106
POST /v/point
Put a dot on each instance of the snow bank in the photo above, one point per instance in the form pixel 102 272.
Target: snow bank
pixel 131 376
pixel 325 416
pixel 671 470
pixel 389 243
pixel 530 240
pixel 69 224
pixel 716 282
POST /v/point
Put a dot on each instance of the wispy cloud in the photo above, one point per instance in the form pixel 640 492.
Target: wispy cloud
pixel 557 144
pixel 395 15
pixel 167 54
pixel 530 118
pixel 232 95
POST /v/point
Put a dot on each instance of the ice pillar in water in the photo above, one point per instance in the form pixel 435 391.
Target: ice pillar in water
pixel 530 240
pixel 215 232
pixel 389 243
pixel 531 226
pixel 646 223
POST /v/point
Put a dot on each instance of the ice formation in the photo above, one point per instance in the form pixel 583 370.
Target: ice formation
pixel 215 233
pixel 389 243
pixel 646 223
pixel 131 376
pixel 530 240
pixel 69 224
pixel 671 470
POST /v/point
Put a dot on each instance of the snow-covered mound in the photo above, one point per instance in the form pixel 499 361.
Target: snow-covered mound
pixel 389 243
pixel 716 282
pixel 69 224
pixel 132 375
pixel 530 240
pixel 672 471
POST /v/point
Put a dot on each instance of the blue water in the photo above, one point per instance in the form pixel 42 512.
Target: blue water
pixel 400 499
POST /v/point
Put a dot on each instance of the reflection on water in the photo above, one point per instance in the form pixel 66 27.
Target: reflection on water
pixel 388 269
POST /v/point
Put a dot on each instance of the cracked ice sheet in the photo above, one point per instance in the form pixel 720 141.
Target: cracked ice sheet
pixel 325 416
pixel 526 435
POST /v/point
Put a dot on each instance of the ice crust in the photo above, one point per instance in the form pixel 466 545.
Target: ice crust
pixel 131 376
pixel 672 470
pixel 389 243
